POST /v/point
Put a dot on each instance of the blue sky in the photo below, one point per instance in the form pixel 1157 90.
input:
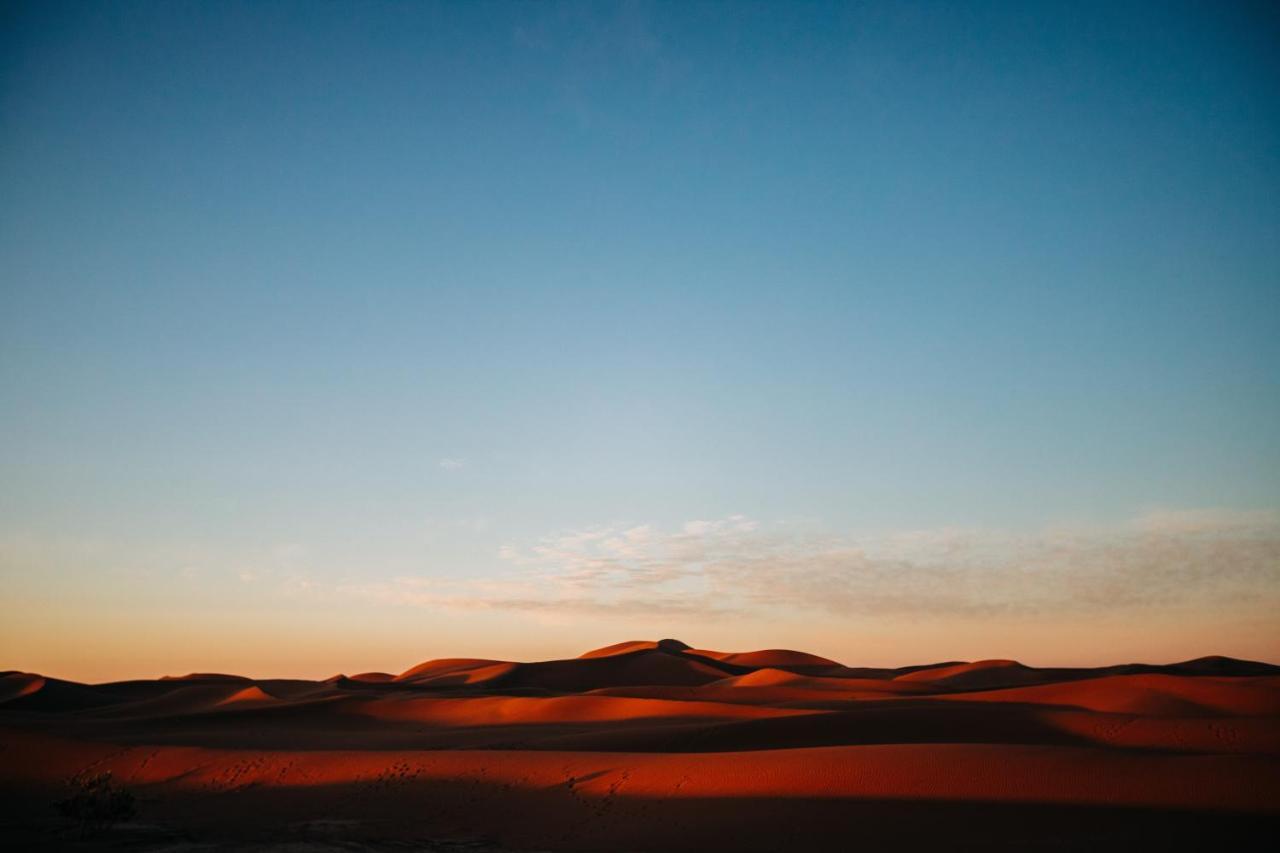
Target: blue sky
pixel 339 294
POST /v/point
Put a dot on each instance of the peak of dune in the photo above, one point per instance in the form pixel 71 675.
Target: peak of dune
pixel 1222 665
pixel 630 663
pixel 14 685
pixel 764 677
pixel 249 696
pixel 442 666
pixel 204 676
pixel 367 677
pixel 977 674
pixel 629 646
pixel 921 667
pixel 28 691
pixel 785 659
pixel 622 648
pixel 639 667
pixel 776 658
pixel 449 672
pixel 943 670
pixel 993 663
pixel 373 676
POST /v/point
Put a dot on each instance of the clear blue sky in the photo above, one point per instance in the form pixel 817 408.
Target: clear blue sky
pixel 386 287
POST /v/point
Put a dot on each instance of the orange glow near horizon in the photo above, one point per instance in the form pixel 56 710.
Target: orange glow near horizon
pixel 97 647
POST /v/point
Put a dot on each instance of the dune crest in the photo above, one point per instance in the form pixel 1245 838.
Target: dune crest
pixel 14 685
pixel 249 696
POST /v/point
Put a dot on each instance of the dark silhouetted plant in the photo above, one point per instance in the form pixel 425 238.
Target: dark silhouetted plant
pixel 97 803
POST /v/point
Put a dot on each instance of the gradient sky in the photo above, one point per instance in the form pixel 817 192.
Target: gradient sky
pixel 338 336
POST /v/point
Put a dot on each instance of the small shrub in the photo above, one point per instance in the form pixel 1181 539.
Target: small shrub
pixel 97 803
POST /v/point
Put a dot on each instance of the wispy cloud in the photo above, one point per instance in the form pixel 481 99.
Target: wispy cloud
pixel 736 565
pixel 453 463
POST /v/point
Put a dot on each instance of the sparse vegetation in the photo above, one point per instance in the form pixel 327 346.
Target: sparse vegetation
pixel 97 803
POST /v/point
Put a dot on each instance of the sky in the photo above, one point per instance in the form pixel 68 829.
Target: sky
pixel 341 336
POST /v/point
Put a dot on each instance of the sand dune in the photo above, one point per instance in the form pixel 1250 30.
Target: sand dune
pixel 1152 695
pixel 15 685
pixel 654 745
pixel 784 659
pixel 983 673
pixel 249 696
pixel 620 648
pixel 377 677
pixel 452 671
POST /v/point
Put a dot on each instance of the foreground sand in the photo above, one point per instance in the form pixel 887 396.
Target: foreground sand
pixel 648 746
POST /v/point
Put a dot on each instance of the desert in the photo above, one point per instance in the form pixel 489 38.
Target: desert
pixel 658 746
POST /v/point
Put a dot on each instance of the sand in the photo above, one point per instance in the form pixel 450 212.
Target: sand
pixel 658 746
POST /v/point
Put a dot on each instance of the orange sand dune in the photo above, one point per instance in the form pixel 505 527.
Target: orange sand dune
pixel 450 671
pixel 14 685
pixel 378 677
pixel 620 649
pixel 659 746
pixel 983 673
pixel 776 658
pixel 1152 695
pixel 249 696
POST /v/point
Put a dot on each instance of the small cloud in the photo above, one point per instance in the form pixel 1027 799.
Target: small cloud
pixel 453 463
pixel 248 577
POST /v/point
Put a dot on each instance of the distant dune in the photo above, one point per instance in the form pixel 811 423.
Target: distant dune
pixel 655 745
